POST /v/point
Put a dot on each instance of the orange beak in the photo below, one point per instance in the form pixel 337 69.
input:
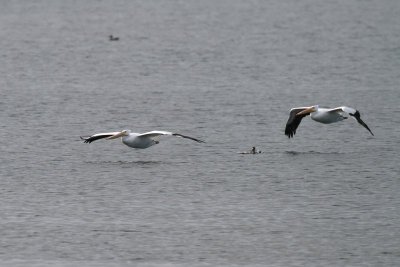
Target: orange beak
pixel 306 111
pixel 117 135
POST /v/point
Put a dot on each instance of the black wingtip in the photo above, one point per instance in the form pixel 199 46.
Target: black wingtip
pixel 188 137
pixel 197 140
pixel 289 133
pixel 85 140
pixel 357 116
pixel 294 121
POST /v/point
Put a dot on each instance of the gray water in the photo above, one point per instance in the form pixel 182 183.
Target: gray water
pixel 224 71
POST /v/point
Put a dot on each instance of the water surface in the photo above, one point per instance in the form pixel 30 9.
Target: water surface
pixel 224 71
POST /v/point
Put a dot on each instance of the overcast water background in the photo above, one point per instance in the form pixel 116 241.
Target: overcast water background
pixel 224 71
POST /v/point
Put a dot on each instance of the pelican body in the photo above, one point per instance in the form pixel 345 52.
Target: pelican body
pixel 322 115
pixel 135 140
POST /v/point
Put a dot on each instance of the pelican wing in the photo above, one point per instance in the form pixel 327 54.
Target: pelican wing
pixel 294 121
pixel 89 139
pixel 339 109
pixel 354 113
pixel 188 137
pixel 158 133
pixel 357 116
pixel 155 134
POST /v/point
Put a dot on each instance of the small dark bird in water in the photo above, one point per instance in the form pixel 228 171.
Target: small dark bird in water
pixel 252 151
pixel 112 38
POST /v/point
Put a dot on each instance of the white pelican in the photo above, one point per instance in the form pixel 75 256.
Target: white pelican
pixel 135 140
pixel 322 115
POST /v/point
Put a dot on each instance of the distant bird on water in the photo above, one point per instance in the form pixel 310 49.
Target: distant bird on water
pixel 322 115
pixel 135 140
pixel 253 150
pixel 112 38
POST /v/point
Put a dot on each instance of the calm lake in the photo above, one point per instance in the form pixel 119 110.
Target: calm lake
pixel 227 72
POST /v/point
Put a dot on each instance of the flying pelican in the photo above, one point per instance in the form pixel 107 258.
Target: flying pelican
pixel 322 115
pixel 135 140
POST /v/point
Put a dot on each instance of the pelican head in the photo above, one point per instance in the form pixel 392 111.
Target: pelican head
pixel 126 132
pixel 120 134
pixel 308 110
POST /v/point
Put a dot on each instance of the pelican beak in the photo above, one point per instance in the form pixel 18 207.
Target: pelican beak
pixel 117 135
pixel 306 111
